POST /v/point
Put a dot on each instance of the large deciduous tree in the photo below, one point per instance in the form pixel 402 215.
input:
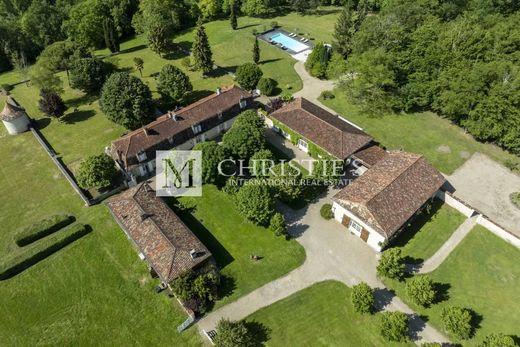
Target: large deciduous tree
pixel 254 202
pixel 248 75
pixel 363 298
pixel 96 172
pixel 212 155
pixel 173 84
pixel 394 326
pixel 89 74
pixel 126 100
pixel 233 334
pixel 391 264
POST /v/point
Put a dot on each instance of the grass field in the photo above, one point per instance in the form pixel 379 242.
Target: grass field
pixel 444 144
pixel 481 274
pixel 232 240
pixel 321 315
pixel 428 232
pixel 94 289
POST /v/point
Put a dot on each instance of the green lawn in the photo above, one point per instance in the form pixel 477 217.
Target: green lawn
pixel 428 232
pixel 232 240
pixel 321 315
pixel 92 290
pixel 444 144
pixel 481 274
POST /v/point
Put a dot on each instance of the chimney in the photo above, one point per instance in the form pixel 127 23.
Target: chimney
pixel 219 91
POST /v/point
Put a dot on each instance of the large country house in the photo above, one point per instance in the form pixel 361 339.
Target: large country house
pixel 377 205
pixel 206 119
pixel 159 234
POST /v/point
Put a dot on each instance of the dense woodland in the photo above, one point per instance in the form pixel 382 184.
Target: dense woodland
pixel 459 58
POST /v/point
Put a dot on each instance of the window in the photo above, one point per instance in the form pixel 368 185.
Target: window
pixel 355 227
pixel 141 156
pixel 286 135
pixel 196 128
pixel 276 129
pixel 303 144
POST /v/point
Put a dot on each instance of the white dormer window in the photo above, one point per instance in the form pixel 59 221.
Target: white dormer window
pixel 141 156
pixel 196 128
pixel 243 103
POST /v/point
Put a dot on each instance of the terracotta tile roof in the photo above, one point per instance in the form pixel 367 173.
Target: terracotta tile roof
pixel 390 192
pixel 12 110
pixel 371 155
pixel 328 131
pixel 165 132
pixel 157 231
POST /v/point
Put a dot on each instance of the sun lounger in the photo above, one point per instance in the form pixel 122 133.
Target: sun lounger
pixel 303 38
pixel 306 40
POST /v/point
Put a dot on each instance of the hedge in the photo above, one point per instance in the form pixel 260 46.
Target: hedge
pixel 11 266
pixel 42 228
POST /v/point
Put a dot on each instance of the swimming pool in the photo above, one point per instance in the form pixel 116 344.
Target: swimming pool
pixel 288 42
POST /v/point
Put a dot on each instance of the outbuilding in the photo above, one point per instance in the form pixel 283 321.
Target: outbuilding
pixel 14 117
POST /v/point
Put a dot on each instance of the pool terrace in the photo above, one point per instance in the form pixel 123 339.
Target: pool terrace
pixel 297 46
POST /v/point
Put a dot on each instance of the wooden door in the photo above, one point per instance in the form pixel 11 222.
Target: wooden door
pixel 345 220
pixel 364 235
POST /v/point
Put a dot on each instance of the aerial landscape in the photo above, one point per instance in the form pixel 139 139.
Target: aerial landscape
pixel 260 173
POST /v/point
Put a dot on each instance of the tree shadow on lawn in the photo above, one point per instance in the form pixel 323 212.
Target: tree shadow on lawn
pixel 382 298
pixel 248 26
pixel 42 123
pixel 81 100
pixel 78 116
pixel 132 49
pixel 476 320
pixel 259 331
pixel 227 286
pixel 267 61
pixel 442 292
pixel 221 71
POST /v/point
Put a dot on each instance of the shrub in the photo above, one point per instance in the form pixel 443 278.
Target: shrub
pixel 231 187
pixel 267 86
pixel 233 334
pixel 11 266
pixel 363 298
pixel 512 165
pixel 255 203
pixel 248 75
pixel 420 290
pixel 457 320
pixel 274 24
pixel 515 199
pixel 286 96
pixel 277 225
pixel 327 95
pixel 498 340
pixel 242 141
pixel 391 264
pixel 394 326
pixel 51 104
pixel 326 211
pixel 287 177
pixel 318 60
pixel 42 228
pixel 96 171
pixel 202 287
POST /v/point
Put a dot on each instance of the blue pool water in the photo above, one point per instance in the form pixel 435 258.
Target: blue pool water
pixel 289 42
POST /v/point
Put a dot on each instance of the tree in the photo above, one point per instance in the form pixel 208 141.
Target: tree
pixel 43 77
pixel 362 298
pixel 233 334
pixel 254 202
pixel 158 39
pixel 498 340
pixel 318 61
pixel 89 74
pixel 254 8
pixel 139 65
pixel 249 117
pixel 248 75
pixel 391 264
pixel 42 22
pixel 327 168
pixel 326 211
pixel 202 287
pixel 346 26
pixel 110 34
pixel 126 100
pixel 51 104
pixel 212 155
pixel 287 177
pixel 261 162
pixel 421 290
pixel 60 55
pixel 457 320
pixel 173 84
pixel 277 225
pixel 242 141
pixel 394 326
pixel 201 51
pixel 209 8
pixel 233 20
pixel 256 51
pixel 267 86
pixel 96 171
